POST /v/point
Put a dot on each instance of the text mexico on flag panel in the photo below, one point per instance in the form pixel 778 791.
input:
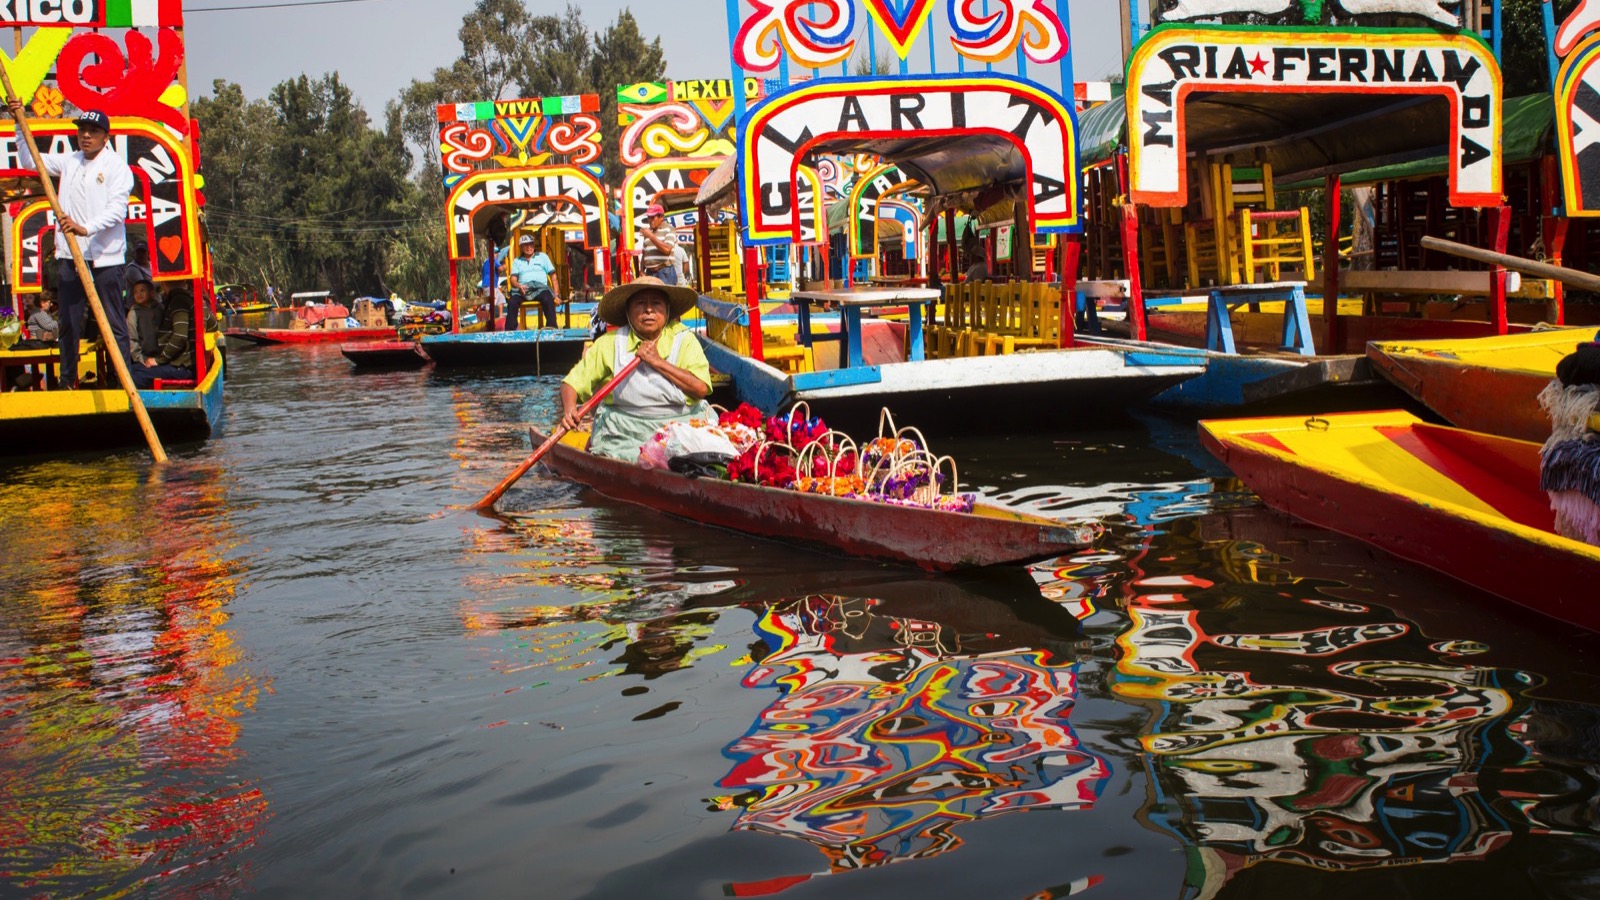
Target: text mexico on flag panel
pixel 143 13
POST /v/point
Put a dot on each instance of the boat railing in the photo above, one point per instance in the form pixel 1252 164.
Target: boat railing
pixel 986 318
pixel 728 324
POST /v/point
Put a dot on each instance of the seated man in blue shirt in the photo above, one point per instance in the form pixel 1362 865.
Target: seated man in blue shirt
pixel 530 281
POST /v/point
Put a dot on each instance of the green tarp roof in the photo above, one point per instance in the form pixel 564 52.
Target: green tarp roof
pixel 1527 130
pixel 1528 123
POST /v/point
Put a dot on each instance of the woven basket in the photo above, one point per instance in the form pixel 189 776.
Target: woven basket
pixel 841 444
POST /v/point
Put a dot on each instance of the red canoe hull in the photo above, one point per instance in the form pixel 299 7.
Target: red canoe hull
pixel 938 541
pixel 309 335
pixel 386 354
pixel 1540 577
pixel 1493 401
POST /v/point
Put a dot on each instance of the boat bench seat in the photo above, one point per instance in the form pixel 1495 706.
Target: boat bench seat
pixel 1222 301
pixel 792 359
pixel 176 384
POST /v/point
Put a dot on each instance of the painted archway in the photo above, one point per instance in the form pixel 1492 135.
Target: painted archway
pixel 33 221
pixel 865 196
pixel 164 186
pixel 785 128
pixel 909 218
pixel 1578 128
pixel 643 183
pixel 1174 61
pixel 813 208
pixel 524 187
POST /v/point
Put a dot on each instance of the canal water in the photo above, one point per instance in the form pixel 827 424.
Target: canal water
pixel 290 666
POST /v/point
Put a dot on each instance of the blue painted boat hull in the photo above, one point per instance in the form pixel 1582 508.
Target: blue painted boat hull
pixel 963 396
pixel 547 351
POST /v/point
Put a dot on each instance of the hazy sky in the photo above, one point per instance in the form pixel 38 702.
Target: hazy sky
pixel 379 46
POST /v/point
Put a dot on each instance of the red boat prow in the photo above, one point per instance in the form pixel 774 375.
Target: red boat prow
pixel 1468 505
pixel 929 539
pixel 309 335
pixel 385 354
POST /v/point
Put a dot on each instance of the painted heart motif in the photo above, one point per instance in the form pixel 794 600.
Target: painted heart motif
pixel 901 20
pixel 32 65
pixel 698 176
pixel 119 84
pixel 171 246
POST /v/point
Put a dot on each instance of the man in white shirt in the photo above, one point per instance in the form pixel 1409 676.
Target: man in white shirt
pixel 94 186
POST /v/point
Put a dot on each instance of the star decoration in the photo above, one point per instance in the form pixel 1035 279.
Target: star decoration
pixel 1258 66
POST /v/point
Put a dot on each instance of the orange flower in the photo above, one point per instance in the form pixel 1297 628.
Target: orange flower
pixel 48 102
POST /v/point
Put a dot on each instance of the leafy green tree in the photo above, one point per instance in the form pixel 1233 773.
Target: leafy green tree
pixel 621 56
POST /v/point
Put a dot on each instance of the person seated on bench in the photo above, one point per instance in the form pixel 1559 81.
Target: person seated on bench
pixel 144 314
pixel 174 357
pixel 42 324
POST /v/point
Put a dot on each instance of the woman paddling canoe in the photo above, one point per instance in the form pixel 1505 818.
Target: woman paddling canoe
pixel 671 383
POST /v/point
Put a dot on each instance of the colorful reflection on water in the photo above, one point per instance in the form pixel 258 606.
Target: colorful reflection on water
pixel 1345 737
pixel 588 700
pixel 120 690
pixel 890 733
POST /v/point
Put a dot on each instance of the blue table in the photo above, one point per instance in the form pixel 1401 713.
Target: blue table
pixel 851 302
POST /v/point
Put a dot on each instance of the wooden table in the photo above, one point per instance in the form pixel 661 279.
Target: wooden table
pixel 851 302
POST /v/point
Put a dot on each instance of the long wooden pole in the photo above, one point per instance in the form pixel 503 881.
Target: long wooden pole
pixel 1569 277
pixel 107 336
pixel 493 497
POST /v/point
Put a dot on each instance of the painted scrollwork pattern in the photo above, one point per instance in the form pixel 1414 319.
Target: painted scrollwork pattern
pixel 814 33
pixel 661 131
pixel 995 36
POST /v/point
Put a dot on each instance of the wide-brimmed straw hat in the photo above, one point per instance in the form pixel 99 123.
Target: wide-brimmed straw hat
pixel 614 305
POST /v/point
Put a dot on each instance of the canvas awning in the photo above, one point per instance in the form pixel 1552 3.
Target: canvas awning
pixel 1306 137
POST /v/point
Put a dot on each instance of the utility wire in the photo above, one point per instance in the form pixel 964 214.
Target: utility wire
pixel 195 9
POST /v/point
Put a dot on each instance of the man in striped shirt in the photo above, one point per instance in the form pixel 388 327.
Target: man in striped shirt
pixel 658 243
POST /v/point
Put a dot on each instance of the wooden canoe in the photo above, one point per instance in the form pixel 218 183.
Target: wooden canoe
pixel 1464 503
pixel 385 354
pixel 1487 384
pixel 309 335
pixel 929 539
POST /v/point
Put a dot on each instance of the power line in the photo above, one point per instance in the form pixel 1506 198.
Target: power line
pixel 196 9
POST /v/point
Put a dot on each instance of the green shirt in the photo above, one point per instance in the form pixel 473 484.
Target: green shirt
pixel 599 362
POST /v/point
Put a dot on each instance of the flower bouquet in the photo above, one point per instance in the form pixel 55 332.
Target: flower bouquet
pixel 10 328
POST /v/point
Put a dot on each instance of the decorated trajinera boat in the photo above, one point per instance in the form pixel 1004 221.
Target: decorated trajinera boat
pixel 322 323
pixel 272 336
pixel 927 538
pixel 1482 384
pixel 996 148
pixel 1467 504
pixel 520 171
pixel 152 131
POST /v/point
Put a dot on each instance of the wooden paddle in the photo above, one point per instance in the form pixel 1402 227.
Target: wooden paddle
pixel 107 336
pixel 493 497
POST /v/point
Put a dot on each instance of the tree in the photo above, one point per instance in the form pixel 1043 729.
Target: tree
pixel 621 56
pixel 235 143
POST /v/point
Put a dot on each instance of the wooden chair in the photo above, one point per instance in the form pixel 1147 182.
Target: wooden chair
pixel 1247 239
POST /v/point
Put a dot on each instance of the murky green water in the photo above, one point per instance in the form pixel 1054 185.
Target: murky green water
pixel 284 670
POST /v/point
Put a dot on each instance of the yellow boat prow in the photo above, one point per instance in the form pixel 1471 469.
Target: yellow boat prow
pixel 1532 353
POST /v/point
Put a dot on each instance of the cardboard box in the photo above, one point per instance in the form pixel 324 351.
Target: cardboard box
pixel 333 323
